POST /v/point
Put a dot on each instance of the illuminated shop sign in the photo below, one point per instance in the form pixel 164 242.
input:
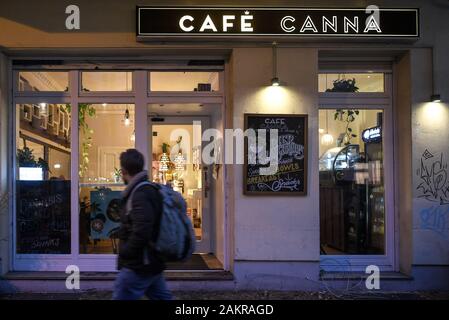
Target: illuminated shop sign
pixel 372 134
pixel 286 22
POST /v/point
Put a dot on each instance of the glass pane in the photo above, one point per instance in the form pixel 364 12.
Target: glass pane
pixel 184 81
pixel 42 187
pixel 105 131
pixel 352 210
pixel 106 81
pixel 351 82
pixel 176 162
pixel 43 81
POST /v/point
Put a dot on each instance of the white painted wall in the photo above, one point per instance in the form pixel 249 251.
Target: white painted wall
pixel 430 131
pixel 277 227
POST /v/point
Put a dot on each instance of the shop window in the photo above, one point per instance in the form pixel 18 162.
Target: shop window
pixel 351 175
pixel 106 81
pixel 43 179
pixel 184 81
pixel 105 131
pixel 43 81
pixel 351 82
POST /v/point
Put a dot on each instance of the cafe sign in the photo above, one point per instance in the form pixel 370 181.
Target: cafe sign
pixel 214 22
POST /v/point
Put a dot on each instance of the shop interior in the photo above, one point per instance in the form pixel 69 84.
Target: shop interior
pixel 352 211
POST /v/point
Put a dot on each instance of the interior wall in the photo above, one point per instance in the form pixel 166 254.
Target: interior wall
pixel 277 227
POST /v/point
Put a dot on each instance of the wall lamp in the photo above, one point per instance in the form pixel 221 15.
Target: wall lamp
pixel 435 97
pixel 275 82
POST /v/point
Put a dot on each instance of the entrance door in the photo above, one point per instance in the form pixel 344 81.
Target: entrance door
pixel 176 149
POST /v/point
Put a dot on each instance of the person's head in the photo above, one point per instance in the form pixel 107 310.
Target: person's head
pixel 131 163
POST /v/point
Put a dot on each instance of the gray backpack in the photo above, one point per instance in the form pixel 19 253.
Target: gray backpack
pixel 176 239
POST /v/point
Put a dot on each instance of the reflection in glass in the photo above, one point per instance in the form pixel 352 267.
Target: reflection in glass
pixel 176 162
pixel 105 131
pixel 352 209
pixel 43 81
pixel 42 186
pixel 184 81
pixel 351 82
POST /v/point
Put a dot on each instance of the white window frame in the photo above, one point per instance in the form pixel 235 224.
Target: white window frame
pixel 369 101
pixel 141 97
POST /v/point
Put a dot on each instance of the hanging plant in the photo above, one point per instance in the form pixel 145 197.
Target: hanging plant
pixel 84 110
pixel 347 116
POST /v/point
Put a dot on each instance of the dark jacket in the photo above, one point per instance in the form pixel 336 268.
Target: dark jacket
pixel 139 227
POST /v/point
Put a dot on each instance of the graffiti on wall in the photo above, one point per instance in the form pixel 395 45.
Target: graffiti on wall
pixel 436 218
pixel 434 183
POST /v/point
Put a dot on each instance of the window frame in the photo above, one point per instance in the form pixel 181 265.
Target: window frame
pixel 369 101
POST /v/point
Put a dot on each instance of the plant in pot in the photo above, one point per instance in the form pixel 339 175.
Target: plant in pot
pixel 26 159
pixel 117 175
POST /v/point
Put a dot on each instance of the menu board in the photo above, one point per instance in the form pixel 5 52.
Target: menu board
pixel 290 178
pixel 43 217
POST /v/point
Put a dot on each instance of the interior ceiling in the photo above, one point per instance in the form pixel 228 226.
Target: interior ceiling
pixel 178 109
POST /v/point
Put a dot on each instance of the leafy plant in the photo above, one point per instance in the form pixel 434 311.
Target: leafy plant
pixel 25 158
pixel 117 174
pixel 165 147
pixel 347 116
pixel 344 85
pixel 84 110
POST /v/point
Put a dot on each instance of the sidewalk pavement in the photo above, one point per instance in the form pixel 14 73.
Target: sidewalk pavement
pixel 245 295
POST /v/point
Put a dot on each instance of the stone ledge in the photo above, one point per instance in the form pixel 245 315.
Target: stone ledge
pixel 339 276
pixel 170 275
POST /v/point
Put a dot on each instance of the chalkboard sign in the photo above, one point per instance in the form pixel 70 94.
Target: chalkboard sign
pixel 291 175
pixel 43 217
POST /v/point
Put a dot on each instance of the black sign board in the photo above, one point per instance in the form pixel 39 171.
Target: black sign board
pixel 191 22
pixel 43 217
pixel 290 178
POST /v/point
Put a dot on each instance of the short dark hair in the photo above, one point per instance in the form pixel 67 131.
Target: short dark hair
pixel 132 161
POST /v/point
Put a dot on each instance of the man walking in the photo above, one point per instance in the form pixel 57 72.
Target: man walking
pixel 141 272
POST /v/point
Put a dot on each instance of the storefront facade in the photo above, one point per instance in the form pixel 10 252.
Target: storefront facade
pixel 364 160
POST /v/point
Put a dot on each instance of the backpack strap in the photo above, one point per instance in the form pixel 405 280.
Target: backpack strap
pixel 129 201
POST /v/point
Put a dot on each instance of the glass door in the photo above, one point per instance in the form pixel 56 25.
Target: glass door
pixel 176 150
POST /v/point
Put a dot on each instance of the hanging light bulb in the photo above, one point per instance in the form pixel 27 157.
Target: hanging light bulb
pixel 127 121
pixel 327 139
pixel 133 136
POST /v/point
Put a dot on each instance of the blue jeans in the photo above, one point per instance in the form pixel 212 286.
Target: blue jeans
pixel 130 285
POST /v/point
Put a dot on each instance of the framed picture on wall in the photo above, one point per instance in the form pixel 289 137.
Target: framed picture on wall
pixel 290 178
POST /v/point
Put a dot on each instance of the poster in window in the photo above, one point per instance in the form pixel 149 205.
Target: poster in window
pixel 290 178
